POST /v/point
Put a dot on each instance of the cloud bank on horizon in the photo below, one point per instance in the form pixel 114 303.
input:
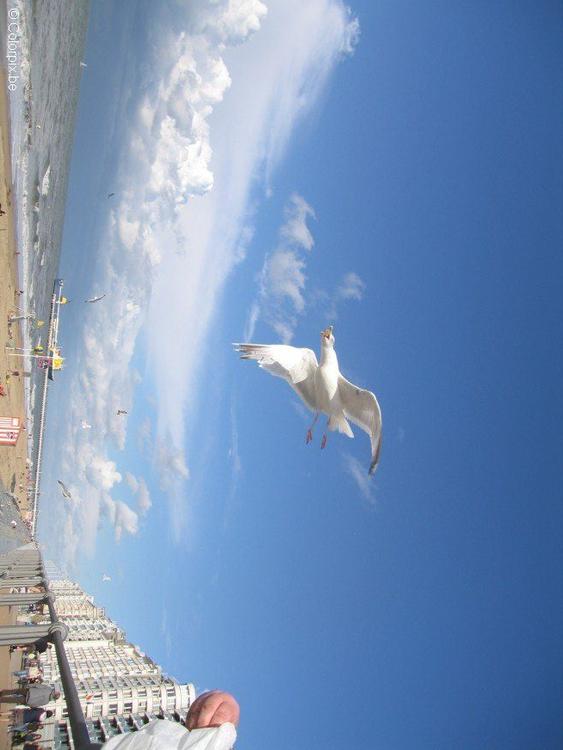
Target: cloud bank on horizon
pixel 183 212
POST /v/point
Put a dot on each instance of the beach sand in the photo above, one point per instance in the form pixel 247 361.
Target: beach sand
pixel 12 459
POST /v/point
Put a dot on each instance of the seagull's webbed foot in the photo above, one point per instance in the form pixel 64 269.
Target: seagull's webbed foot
pixel 323 441
pixel 309 437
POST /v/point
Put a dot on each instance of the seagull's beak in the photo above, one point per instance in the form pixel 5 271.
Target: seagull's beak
pixel 327 332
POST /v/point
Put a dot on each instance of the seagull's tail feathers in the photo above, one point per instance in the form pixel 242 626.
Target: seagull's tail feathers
pixel 339 423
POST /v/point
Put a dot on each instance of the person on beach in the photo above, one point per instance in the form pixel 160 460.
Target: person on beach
pixel 32 726
pixel 37 647
pixel 30 716
pixel 33 696
pixel 28 674
pixel 210 724
pixel 27 738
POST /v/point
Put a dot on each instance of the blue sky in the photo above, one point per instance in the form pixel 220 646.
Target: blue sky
pixel 394 169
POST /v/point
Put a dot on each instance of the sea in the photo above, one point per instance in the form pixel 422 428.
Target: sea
pixel 45 41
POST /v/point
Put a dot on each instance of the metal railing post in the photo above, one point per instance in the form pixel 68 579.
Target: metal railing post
pixel 57 633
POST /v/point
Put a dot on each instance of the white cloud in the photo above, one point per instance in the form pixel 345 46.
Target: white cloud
pixel 284 276
pixel 171 464
pixel 283 279
pixel 143 498
pixel 144 435
pixel 125 520
pixel 139 488
pixel 228 22
pixel 295 230
pixel 351 287
pixel 282 297
pixel 132 481
pixel 233 450
pixel 359 474
pixel 250 326
pixel 103 473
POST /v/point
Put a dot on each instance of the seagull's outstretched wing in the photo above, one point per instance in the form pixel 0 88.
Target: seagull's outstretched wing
pixel 65 490
pixel 297 366
pixel 361 408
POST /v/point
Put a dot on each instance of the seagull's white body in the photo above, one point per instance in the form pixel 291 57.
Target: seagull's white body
pixel 65 491
pixel 322 386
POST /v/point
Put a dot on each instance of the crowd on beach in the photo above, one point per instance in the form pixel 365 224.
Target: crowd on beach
pixel 31 696
pixel 24 704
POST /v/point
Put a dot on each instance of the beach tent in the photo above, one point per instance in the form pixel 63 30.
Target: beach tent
pixel 9 430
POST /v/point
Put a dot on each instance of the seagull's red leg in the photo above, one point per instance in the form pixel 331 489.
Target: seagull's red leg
pixel 323 441
pixel 309 437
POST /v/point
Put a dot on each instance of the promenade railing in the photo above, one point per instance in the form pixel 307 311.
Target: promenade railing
pixel 23 568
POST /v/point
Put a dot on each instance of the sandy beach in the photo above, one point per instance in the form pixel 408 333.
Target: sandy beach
pixel 12 459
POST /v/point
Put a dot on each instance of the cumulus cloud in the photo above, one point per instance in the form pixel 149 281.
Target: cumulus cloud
pixel 139 488
pixel 102 473
pixel 358 472
pixel 125 519
pixel 282 280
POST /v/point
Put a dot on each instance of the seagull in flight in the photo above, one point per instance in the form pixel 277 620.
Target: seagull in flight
pixel 95 299
pixel 121 412
pixel 322 387
pixel 65 490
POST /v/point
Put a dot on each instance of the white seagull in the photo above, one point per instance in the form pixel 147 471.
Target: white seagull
pixel 322 387
pixel 65 490
pixel 95 299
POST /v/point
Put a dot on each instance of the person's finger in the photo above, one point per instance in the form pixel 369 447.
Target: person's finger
pixel 228 710
pixel 213 709
pixel 195 709
pixel 203 709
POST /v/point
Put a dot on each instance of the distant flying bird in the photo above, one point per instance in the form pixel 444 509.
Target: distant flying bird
pixel 95 299
pixel 106 578
pixel 322 387
pixel 85 425
pixel 65 491
pixel 120 412
pixel 110 195
pixel 83 64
